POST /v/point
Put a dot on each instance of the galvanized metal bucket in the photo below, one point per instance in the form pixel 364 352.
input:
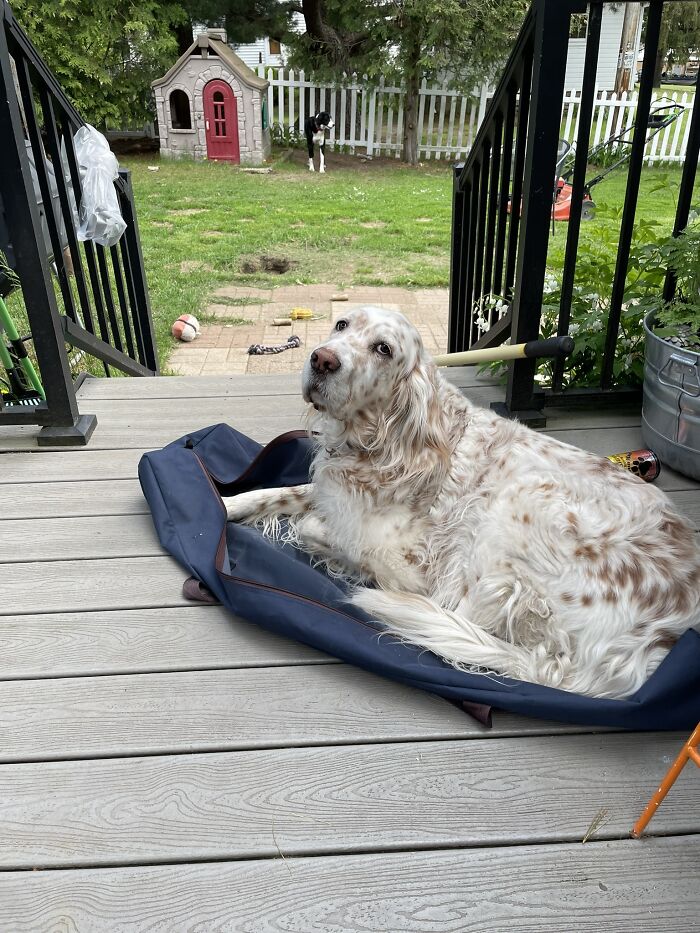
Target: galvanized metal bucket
pixel 671 408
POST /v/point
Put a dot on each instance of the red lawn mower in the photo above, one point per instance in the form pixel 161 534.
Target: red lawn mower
pixel 619 149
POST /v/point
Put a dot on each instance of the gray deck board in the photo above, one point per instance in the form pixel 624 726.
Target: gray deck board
pixel 85 465
pixel 105 466
pixel 222 386
pixel 624 886
pixel 81 537
pixel 230 709
pixel 79 586
pixel 70 499
pixel 131 534
pixel 159 421
pixel 354 798
pixel 169 743
pixel 192 637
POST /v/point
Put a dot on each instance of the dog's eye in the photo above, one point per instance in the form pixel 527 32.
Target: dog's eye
pixel 383 349
pixel 341 325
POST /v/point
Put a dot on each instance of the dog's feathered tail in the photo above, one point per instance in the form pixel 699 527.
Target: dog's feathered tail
pixel 460 642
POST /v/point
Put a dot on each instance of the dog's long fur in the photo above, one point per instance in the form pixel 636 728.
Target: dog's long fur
pixel 493 546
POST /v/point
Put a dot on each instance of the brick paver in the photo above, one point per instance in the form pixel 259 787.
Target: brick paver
pixel 222 347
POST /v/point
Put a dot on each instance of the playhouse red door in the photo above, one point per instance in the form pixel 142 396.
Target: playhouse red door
pixel 221 122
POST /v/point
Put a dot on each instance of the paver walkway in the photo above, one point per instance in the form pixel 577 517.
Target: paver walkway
pixel 222 347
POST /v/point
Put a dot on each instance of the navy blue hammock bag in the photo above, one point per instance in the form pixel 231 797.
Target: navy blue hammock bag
pixel 274 586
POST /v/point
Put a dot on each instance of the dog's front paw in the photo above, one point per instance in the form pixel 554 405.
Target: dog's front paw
pixel 311 166
pixel 240 507
pixel 322 171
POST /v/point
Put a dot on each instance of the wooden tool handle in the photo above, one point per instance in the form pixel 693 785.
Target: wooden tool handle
pixel 552 347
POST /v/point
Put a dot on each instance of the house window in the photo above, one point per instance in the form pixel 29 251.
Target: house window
pixel 275 47
pixel 180 114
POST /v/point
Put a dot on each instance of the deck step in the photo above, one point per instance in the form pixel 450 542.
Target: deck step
pixel 324 801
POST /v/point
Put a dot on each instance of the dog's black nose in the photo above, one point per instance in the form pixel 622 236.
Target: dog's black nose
pixel 324 360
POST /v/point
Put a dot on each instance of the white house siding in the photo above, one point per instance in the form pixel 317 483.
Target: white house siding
pixel 608 54
pixel 257 53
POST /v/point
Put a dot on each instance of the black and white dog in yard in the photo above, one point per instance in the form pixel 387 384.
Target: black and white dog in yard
pixel 315 131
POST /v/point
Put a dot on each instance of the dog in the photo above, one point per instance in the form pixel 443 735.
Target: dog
pixel 499 549
pixel 315 131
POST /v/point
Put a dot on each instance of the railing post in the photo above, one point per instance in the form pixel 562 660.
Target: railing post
pixel 685 193
pixel 584 119
pixel 63 423
pixel 457 263
pixel 634 173
pixel 551 23
pixel 142 311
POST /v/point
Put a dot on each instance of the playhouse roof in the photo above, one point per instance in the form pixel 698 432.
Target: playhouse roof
pixel 224 53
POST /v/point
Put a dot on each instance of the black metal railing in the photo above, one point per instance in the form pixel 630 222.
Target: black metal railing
pixel 80 294
pixel 503 199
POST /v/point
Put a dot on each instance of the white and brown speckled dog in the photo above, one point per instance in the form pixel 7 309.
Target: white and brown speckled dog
pixel 493 546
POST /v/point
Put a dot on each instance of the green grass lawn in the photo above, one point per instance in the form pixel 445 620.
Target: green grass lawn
pixel 378 223
pixel 361 223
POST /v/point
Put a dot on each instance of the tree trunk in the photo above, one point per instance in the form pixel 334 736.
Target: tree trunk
pixel 659 66
pixel 662 51
pixel 410 121
pixel 183 34
pixel 412 75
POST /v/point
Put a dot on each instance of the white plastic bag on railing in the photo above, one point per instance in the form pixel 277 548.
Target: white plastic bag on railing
pixel 100 217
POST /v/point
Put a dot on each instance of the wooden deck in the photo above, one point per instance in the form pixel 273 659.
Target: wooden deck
pixel 167 767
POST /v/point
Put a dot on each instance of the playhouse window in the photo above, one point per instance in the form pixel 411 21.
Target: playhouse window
pixel 180 115
pixel 219 114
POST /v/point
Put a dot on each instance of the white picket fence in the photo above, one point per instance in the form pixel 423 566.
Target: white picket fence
pixel 370 119
pixel 613 114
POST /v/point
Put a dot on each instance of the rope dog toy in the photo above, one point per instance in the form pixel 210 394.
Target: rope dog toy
pixel 258 349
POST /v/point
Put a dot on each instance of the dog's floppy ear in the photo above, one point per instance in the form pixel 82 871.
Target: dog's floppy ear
pixel 414 432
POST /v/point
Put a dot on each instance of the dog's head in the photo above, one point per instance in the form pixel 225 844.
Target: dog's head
pixel 323 120
pixel 374 376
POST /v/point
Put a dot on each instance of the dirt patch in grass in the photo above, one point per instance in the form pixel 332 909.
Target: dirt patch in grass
pixel 277 264
pixel 212 233
pixel 166 225
pixel 424 220
pixel 373 224
pixel 361 164
pixel 193 265
pixel 188 211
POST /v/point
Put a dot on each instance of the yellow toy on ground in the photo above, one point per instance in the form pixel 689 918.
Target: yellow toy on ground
pixel 296 314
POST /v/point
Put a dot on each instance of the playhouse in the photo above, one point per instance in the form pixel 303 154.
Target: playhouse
pixel 210 105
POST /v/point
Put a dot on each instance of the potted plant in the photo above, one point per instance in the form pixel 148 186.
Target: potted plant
pixel 671 408
pixel 658 341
